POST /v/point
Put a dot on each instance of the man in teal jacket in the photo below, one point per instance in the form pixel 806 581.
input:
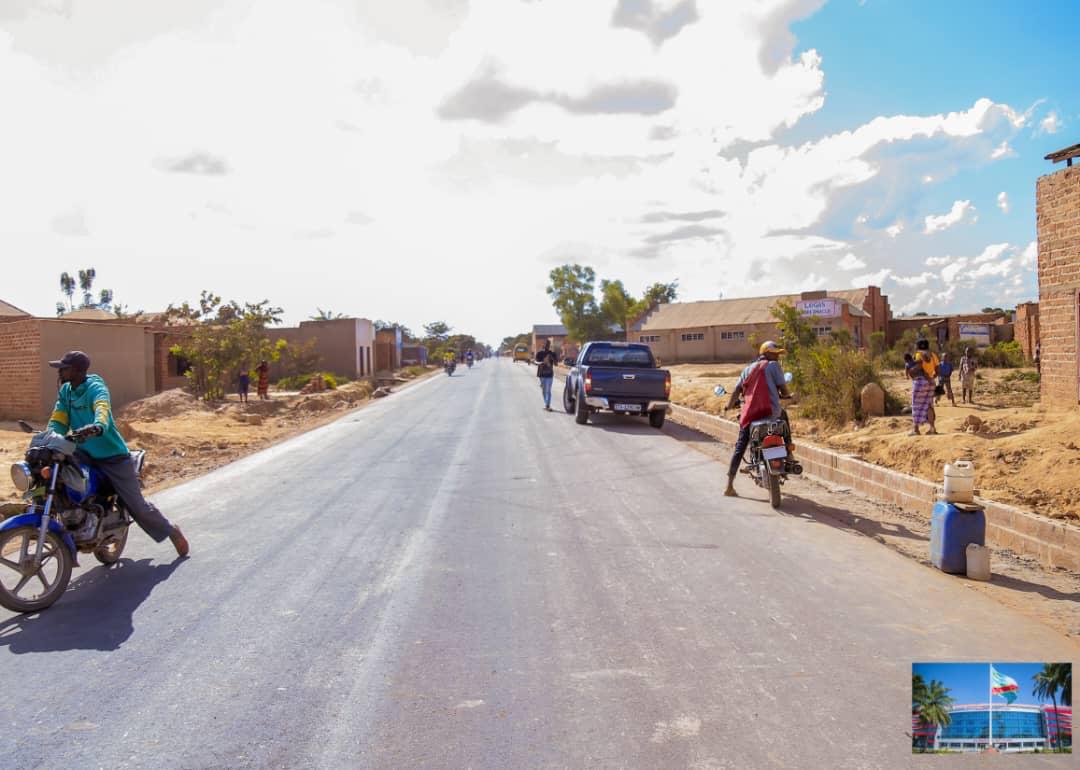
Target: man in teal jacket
pixel 83 408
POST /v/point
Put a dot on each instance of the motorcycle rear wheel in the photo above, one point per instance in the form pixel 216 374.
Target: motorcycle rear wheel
pixel 774 490
pixel 18 590
pixel 110 550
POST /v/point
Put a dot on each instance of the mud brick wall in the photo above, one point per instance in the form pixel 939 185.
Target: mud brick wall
pixel 1057 210
pixel 20 370
pixel 1026 327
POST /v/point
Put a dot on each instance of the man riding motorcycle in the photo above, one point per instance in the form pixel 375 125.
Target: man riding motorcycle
pixel 84 408
pixel 770 353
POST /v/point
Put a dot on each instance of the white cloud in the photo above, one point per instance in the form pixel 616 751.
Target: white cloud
pixel 1003 150
pixel 1003 201
pixel 1051 124
pixel 850 262
pixel 914 280
pixel 399 139
pixel 936 261
pixel 956 214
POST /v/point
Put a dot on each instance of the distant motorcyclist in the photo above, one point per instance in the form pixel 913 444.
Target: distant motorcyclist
pixel 83 407
pixel 469 357
pixel 767 365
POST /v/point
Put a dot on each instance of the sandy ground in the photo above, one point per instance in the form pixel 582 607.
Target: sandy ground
pixel 185 437
pixel 1023 455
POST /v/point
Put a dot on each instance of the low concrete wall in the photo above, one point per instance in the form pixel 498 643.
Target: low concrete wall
pixel 1054 544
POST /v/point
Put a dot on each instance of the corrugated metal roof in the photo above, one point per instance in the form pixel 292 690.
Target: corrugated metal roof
pixel 550 330
pixel 735 312
pixel 7 309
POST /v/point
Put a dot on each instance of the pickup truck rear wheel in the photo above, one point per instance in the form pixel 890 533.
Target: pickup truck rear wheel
pixel 581 415
pixel 567 401
pixel 656 418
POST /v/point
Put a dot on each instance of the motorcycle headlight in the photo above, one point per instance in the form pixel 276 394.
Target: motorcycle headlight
pixel 21 476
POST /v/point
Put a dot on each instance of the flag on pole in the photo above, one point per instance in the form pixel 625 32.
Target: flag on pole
pixel 1003 686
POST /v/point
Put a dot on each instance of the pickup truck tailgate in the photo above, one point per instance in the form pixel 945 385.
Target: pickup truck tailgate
pixel 640 384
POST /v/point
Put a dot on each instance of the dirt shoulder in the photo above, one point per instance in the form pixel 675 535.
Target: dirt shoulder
pixel 1051 597
pixel 185 437
pixel 1023 455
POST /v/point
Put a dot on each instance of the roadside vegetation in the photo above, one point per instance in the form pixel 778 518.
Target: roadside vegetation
pixel 828 372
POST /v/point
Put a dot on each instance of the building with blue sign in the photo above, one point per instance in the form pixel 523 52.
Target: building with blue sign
pixel 1016 728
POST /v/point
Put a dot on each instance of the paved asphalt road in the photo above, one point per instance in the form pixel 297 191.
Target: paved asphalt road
pixel 452 577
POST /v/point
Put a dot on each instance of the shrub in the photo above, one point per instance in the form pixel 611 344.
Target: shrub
pixel 829 380
pixel 1002 355
pixel 298 381
pixel 1021 377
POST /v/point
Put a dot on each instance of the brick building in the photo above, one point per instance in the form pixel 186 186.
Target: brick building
pixel 122 353
pixel 1057 212
pixel 345 345
pixel 984 328
pixel 726 329
pixel 1026 327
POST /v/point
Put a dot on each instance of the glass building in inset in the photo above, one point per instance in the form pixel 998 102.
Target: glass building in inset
pixel 1016 728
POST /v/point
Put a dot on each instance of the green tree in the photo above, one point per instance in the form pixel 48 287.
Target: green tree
pixel 226 339
pixel 325 315
pixel 571 289
pixel 86 283
pixel 616 304
pixel 660 293
pixel 933 705
pixel 67 286
pixel 1054 677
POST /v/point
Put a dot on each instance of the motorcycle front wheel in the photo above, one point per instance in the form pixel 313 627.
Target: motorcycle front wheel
pixel 22 587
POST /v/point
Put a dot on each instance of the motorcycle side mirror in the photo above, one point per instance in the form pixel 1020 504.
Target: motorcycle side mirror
pixel 719 390
pixel 787 377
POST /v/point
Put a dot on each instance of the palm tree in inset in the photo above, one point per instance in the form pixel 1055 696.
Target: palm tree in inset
pixel 932 701
pixel 1054 676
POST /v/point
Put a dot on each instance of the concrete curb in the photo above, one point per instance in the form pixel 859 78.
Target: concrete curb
pixel 1054 544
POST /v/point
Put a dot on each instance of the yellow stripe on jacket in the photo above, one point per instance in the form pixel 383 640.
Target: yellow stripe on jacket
pixel 101 411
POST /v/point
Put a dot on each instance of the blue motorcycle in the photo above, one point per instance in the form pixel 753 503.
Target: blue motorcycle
pixel 71 508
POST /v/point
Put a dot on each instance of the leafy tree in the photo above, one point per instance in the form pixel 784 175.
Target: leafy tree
pixel 659 293
pixel 300 359
pixel 933 705
pixel 1054 677
pixel 616 304
pixel 571 289
pixel 996 310
pixel 226 339
pixel 86 284
pixel 67 286
pixel 877 344
pixel 325 315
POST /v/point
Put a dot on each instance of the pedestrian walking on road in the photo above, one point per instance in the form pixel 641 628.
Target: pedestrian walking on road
pixel 263 370
pixel 244 382
pixel 545 372
pixel 968 367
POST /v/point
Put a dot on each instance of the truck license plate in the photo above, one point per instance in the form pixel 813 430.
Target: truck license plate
pixel 774 453
pixel 628 407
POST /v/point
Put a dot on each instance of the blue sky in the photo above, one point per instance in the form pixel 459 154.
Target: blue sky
pixel 969 682
pixel 398 159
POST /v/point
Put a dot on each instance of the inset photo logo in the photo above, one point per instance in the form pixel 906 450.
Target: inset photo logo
pixel 1007 708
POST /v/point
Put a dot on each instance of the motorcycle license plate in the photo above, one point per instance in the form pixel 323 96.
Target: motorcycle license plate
pixel 628 407
pixel 774 453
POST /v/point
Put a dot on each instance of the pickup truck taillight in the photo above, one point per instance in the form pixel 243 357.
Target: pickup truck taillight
pixel 667 384
pixel 588 383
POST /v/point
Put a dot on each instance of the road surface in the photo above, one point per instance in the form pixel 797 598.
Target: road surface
pixel 453 577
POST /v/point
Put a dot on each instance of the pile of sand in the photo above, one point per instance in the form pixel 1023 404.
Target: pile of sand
pixel 168 403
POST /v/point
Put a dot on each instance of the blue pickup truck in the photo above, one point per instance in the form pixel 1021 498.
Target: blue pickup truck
pixel 620 377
